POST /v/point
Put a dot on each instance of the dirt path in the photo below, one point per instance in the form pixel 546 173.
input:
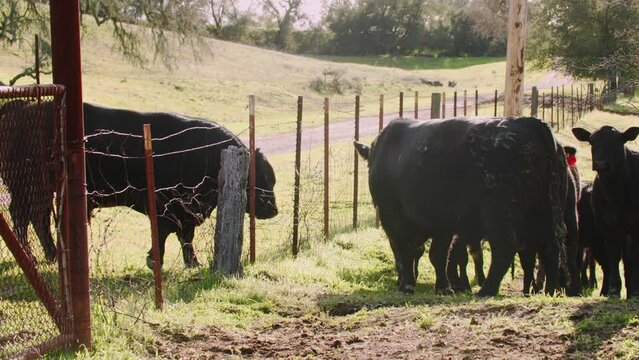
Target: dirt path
pixel 343 129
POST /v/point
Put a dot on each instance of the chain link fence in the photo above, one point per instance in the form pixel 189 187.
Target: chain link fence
pixel 34 303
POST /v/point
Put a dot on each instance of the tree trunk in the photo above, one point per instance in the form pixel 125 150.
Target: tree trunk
pixel 230 212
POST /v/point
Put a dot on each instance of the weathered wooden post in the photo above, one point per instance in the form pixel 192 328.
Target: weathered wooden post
pixel 443 105
pixel 534 102
pixel 514 90
pixel 153 215
pixel 231 205
pixel 435 105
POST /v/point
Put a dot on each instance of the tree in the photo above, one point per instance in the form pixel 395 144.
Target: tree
pixel 19 19
pixel 286 13
pixel 596 39
pixel 223 12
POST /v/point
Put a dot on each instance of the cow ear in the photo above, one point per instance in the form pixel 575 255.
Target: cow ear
pixel 362 149
pixel 570 150
pixel 631 133
pixel 581 134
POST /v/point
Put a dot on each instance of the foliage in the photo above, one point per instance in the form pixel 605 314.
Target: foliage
pixel 595 39
pixel 286 14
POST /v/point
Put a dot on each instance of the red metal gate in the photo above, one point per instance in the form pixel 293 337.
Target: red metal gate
pixel 35 307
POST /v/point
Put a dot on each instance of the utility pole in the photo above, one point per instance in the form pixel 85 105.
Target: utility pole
pixel 514 89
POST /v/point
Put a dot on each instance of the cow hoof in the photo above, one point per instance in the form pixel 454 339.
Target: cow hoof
pixel 407 289
pixel 192 264
pixel 484 293
pixel 150 263
pixel 448 291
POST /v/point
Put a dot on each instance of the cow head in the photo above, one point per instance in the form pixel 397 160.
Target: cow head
pixel 608 147
pixel 363 150
pixel 265 206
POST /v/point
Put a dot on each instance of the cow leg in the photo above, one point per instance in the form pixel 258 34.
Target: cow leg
pixel 613 252
pixel 185 235
pixel 163 233
pixel 457 260
pixel 438 256
pixel 573 283
pixel 631 267
pixel 502 246
pixel 42 226
pixel 527 259
pixel 19 215
pixel 592 266
pixel 406 245
pixel 476 252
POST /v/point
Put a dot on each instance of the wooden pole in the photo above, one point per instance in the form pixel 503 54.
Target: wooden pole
pixel 381 112
pixel 455 104
pixel 543 106
pixel 443 105
pixel 229 225
pixel 465 103
pixel 416 105
pixel 326 169
pixel 552 107
pixel 252 180
pixel 153 215
pixel 401 104
pixel 513 91
pixel 296 189
pixel 435 105
pixel 476 102
pixel 572 105
pixel 37 58
pixel 496 98
pixel 534 102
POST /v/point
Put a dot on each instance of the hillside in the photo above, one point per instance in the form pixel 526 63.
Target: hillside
pixel 217 83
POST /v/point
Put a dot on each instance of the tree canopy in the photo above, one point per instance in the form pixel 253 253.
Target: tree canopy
pixel 595 39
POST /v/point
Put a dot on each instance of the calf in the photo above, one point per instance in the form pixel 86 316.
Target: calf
pixel 615 202
pixel 591 243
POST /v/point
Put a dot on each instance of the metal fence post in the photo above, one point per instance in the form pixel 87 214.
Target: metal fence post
pixel 326 169
pixel 153 215
pixel 252 179
pixel 356 166
pixel 298 160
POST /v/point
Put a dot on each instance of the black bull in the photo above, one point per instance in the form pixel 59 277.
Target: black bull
pixel 186 159
pixel 502 177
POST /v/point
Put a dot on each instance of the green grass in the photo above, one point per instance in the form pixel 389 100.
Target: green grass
pixel 414 62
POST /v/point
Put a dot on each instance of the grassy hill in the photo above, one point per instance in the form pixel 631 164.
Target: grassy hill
pixel 216 84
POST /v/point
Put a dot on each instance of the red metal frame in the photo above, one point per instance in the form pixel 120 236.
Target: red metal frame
pixel 153 215
pixel 67 71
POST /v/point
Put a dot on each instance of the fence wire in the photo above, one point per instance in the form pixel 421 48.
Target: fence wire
pixel 33 303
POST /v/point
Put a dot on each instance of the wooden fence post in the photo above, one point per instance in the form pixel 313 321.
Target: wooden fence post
pixel 381 112
pixel 552 107
pixel 496 98
pixel 476 102
pixel 435 105
pixel 443 105
pixel 455 104
pixel 416 105
pixel 465 103
pixel 296 189
pixel 590 97
pixel 401 104
pixel 326 169
pixel 229 223
pixel 534 102
pixel 543 107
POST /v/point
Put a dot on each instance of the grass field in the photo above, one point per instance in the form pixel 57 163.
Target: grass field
pixel 337 298
pixel 415 62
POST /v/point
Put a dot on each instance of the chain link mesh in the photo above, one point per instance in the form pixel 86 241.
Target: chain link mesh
pixel 31 164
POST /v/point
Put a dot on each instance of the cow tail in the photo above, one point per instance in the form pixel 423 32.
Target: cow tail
pixel 558 184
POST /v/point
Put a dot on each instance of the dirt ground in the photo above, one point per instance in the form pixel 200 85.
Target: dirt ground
pixel 508 328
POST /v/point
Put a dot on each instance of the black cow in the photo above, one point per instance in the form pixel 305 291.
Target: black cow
pixel 591 243
pixel 570 278
pixel 503 177
pixel 30 168
pixel 186 160
pixel 458 261
pixel 615 202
